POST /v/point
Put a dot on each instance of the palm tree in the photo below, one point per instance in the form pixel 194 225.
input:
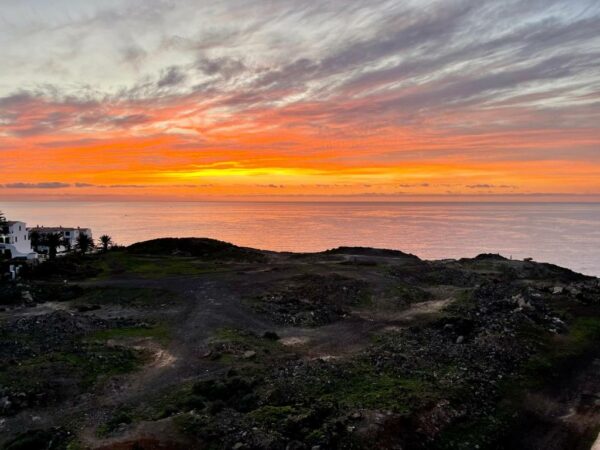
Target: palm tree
pixel 66 243
pixel 106 242
pixel 84 243
pixel 2 218
pixel 52 241
pixel 35 239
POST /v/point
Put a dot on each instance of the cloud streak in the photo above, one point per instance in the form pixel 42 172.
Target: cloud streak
pixel 472 93
pixel 42 185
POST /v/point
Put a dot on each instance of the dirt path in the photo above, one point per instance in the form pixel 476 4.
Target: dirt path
pixel 36 310
pixel 206 304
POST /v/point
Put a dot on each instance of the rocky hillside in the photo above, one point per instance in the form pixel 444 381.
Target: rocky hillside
pixel 194 343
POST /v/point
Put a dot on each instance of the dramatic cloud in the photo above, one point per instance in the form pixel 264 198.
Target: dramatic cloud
pixel 171 77
pixel 242 96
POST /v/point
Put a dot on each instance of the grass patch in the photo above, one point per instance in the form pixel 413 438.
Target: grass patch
pixel 120 418
pixel 363 387
pixel 84 366
pixel 271 416
pixel 121 263
pixel 480 432
pixel 410 294
pixel 128 297
pixel 52 439
pixel 229 344
pixel 462 304
pixel 364 300
pixel 558 353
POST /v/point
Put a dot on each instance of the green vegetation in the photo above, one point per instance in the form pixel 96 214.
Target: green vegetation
pixel 367 389
pixel 240 339
pixel 357 384
pixel 105 242
pixel 556 357
pixel 463 302
pixel 410 294
pixel 558 353
pixel 272 416
pixel 479 432
pixel 52 241
pixel 84 365
pixel 120 418
pixel 69 267
pixel 52 439
pixel 84 243
pixel 201 426
pixel 243 348
pixel 156 266
pixel 129 297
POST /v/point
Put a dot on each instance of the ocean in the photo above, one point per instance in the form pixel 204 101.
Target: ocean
pixel 567 234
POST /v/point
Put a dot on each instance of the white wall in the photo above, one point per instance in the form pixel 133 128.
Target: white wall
pixel 18 240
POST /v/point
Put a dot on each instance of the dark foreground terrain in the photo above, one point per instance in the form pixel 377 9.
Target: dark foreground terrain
pixel 193 344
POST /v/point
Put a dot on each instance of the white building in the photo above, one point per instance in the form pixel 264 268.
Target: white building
pixel 14 240
pixel 69 236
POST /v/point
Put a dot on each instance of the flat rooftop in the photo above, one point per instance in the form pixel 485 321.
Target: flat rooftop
pixel 52 229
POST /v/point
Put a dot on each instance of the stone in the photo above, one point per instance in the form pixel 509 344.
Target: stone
pixel 27 297
pixel 250 354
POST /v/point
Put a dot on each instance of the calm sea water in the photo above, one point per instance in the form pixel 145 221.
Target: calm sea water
pixel 567 234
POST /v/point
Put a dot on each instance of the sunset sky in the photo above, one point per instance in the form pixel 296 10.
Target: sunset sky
pixel 299 99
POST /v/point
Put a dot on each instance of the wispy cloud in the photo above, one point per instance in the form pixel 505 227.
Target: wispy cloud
pixel 490 186
pixel 42 185
pixel 152 87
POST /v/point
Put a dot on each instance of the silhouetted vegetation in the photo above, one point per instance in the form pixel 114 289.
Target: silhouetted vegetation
pixel 69 267
pixel 66 243
pixel 105 242
pixel 52 241
pixel 84 243
pixel 35 239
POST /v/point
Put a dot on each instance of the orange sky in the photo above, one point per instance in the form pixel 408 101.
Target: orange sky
pixel 427 102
